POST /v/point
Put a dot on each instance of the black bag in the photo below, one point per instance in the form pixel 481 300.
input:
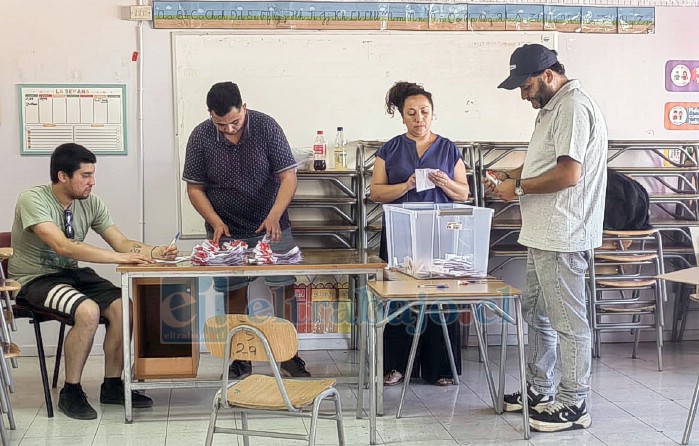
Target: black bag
pixel 627 206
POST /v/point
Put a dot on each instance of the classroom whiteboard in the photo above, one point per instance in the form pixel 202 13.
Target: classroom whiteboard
pixel 321 80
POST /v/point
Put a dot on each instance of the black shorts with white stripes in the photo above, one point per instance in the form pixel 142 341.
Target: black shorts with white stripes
pixel 63 292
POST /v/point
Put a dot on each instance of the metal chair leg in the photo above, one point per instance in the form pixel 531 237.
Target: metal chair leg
pixel 212 422
pixel 338 418
pixel 3 430
pixel 5 381
pixel 636 336
pixel 42 367
pixel 59 353
pixel 692 413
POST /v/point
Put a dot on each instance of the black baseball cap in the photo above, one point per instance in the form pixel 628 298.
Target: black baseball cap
pixel 525 61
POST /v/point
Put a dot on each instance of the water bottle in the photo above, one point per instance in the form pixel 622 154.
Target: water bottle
pixel 319 150
pixel 340 152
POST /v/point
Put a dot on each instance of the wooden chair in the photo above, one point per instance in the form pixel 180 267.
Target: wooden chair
pixel 273 340
pixel 623 268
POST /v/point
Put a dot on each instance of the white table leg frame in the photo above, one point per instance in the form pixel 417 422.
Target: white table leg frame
pixel 374 326
pixel 126 327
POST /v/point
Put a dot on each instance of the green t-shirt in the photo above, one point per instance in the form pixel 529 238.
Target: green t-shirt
pixel 32 257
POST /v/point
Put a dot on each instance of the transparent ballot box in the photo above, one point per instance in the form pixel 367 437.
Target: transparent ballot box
pixel 428 240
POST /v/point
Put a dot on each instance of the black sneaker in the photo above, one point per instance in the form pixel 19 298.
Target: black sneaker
pixel 294 368
pixel 561 417
pixel 537 401
pixel 114 394
pixel 239 370
pixel 75 404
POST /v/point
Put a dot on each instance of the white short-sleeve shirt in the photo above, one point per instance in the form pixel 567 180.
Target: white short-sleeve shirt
pixel 570 220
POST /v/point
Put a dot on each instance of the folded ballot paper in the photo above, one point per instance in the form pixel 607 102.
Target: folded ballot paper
pixel 422 181
pixel 236 252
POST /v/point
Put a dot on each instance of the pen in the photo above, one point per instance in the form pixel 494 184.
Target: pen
pixel 441 285
pixel 466 282
pixel 174 239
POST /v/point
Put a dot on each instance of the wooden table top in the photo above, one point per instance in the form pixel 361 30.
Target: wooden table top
pixel 688 275
pixel 417 289
pixel 6 253
pixel 312 258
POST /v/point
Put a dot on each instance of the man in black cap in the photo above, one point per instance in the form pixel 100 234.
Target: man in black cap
pixel 561 188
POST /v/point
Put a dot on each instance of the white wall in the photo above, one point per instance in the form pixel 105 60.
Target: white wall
pixel 86 41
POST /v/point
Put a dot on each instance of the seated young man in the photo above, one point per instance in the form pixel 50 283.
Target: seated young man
pixel 48 233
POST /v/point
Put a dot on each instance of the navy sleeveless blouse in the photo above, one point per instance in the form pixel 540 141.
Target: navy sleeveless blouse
pixel 400 156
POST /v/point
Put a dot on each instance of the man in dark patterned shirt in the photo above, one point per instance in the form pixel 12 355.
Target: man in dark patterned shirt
pixel 241 177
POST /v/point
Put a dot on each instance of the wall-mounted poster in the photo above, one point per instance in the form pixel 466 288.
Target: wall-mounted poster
pixel 91 115
pixel 524 17
pixel 599 20
pixel 566 19
pixel 401 16
pixel 484 17
pixel 682 115
pixel 682 75
pixel 636 20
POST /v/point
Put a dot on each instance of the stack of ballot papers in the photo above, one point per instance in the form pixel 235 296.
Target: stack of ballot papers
pixel 236 252
pixel 450 266
pixel 262 255
pixel 227 253
pixel 455 266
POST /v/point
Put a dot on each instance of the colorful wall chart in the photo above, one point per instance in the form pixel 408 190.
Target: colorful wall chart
pixel 90 115
pixel 402 16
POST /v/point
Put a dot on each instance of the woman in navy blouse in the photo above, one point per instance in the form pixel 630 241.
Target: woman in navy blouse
pixel 393 181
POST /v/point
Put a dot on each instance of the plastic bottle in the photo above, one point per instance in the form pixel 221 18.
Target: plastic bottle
pixel 340 152
pixel 319 150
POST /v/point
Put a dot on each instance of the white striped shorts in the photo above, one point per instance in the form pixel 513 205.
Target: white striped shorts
pixel 64 291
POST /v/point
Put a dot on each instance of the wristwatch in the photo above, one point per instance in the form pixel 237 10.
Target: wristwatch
pixel 518 188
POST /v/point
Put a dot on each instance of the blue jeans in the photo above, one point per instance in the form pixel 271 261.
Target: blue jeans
pixel 554 308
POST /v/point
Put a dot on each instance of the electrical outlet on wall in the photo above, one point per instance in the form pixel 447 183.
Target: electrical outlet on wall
pixel 139 12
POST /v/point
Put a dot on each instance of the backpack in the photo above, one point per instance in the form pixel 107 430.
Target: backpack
pixel 627 206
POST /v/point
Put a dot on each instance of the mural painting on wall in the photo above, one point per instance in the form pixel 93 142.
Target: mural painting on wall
pixel 636 20
pixel 401 16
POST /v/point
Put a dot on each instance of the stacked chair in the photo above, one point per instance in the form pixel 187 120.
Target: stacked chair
pixel 9 351
pixel 626 294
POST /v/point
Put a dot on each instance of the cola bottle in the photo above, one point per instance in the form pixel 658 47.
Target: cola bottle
pixel 319 150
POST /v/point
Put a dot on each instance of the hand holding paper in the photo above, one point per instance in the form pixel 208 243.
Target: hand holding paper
pixel 422 181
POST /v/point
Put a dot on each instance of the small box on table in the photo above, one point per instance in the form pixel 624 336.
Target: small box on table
pixel 438 239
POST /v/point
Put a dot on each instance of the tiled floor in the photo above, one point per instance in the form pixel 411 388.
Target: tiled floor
pixel 631 403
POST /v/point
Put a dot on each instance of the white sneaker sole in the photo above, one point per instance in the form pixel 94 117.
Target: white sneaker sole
pixel 542 426
pixel 507 407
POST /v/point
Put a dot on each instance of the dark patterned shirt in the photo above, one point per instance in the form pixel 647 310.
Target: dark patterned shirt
pixel 241 179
